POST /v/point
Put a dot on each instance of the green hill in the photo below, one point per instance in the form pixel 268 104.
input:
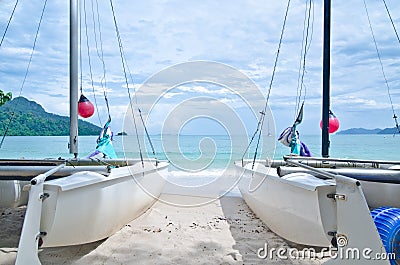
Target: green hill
pixel 360 131
pixel 369 131
pixel 389 131
pixel 31 119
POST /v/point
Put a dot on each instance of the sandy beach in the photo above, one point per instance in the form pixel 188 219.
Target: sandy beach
pixel 224 231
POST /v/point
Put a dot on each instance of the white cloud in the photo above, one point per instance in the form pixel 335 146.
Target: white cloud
pixel 171 95
pixel 243 34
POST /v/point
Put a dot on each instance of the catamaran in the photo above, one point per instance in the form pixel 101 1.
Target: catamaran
pixel 325 201
pixel 78 200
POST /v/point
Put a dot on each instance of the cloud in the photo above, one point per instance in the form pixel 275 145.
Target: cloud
pixel 242 34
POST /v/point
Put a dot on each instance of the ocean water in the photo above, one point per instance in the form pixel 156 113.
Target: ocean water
pixel 199 160
pixel 374 147
pixel 196 153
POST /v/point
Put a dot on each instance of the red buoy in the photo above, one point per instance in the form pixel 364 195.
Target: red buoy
pixel 85 107
pixel 333 123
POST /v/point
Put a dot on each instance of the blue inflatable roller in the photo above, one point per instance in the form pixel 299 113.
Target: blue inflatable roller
pixel 387 221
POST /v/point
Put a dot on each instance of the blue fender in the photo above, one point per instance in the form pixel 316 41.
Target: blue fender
pixel 387 221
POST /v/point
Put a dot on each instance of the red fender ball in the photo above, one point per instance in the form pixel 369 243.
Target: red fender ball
pixel 333 123
pixel 85 107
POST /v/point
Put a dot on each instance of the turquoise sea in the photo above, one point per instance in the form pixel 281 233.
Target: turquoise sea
pixel 200 159
pixel 199 153
pixel 192 147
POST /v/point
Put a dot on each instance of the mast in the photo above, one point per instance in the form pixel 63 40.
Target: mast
pixel 73 78
pixel 326 78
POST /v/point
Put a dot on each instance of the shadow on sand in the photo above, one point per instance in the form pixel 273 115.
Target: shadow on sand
pixel 251 234
pixel 11 221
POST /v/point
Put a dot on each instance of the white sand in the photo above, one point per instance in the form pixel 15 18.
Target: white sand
pixel 222 232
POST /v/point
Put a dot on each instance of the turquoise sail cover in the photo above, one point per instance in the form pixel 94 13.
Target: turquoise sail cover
pixel 104 142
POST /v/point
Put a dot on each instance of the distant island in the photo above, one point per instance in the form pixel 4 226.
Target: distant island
pixel 369 131
pixel 30 119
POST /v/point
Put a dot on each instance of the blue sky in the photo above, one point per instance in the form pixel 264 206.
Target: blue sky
pixel 241 34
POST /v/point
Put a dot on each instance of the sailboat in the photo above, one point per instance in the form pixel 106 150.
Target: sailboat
pixel 324 201
pixel 87 199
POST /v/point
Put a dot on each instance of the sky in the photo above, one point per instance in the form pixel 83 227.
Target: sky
pixel 218 57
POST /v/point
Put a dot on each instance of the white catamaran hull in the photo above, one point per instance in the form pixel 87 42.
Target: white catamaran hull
pixel 88 206
pixel 381 187
pixel 296 207
pixel 14 177
pixel 12 194
pixel 379 194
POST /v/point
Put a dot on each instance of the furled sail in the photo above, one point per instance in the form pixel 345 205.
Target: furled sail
pixel 290 137
pixel 104 148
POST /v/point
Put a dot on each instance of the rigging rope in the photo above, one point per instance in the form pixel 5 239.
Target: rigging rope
pixel 263 113
pixel 391 20
pixel 140 112
pixel 126 79
pixel 8 23
pixel 80 49
pixel 307 38
pixel 382 68
pixel 136 101
pixel 26 74
pixel 90 65
pixel 100 53
pixel 398 38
